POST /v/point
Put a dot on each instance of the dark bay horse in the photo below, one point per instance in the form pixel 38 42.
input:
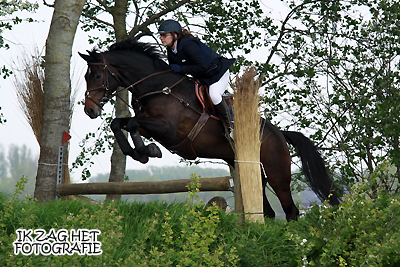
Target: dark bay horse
pixel 166 109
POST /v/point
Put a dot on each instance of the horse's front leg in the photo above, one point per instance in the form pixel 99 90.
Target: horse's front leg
pixel 151 150
pixel 141 152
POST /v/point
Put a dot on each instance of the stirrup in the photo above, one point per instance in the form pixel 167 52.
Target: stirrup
pixel 231 135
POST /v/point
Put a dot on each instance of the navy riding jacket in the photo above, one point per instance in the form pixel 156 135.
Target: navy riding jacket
pixel 199 60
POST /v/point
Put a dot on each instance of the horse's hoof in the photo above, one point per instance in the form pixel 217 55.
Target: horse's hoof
pixel 154 151
pixel 151 150
pixel 142 158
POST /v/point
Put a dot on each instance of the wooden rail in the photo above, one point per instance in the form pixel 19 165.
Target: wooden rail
pixel 159 187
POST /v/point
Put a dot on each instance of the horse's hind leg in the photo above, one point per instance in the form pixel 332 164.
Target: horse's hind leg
pixel 267 209
pixel 285 197
pixel 280 183
pixel 276 159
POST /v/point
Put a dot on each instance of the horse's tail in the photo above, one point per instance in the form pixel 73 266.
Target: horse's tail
pixel 313 167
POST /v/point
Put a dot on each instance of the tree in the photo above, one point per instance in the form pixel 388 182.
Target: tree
pixel 337 77
pixel 57 91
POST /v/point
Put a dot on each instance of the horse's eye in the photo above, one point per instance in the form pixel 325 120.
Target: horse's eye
pixel 97 76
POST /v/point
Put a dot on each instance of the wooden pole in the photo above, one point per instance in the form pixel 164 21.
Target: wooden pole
pixel 247 146
pixel 159 187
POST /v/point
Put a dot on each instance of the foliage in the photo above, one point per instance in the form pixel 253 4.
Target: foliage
pixel 195 243
pixel 7 21
pixel 233 27
pixel 199 231
pixel 25 215
pixel 228 26
pixel 337 77
pixel 94 144
pixel 362 231
pixel 8 8
pixel 384 178
pixel 2 120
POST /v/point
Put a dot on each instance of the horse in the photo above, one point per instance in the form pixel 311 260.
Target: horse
pixel 167 109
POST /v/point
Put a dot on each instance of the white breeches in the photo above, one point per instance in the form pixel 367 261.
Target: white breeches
pixel 218 88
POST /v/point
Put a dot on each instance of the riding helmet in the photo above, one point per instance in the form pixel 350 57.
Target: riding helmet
pixel 170 25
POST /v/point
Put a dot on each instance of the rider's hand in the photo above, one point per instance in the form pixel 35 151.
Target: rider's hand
pixel 175 67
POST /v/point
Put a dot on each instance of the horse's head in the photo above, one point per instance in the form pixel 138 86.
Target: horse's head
pixel 101 83
pixel 136 61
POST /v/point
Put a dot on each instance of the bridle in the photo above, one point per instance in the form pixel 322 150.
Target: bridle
pixel 105 86
pixel 108 94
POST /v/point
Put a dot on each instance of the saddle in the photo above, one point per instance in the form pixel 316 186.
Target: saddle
pixel 185 148
pixel 202 93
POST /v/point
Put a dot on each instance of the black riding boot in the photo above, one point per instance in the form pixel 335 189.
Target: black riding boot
pixel 222 111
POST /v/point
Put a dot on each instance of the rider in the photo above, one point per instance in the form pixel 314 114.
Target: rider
pixel 188 55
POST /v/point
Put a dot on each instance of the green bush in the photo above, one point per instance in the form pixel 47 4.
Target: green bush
pixel 193 242
pixel 360 232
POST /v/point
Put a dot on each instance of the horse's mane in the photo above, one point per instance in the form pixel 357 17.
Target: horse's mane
pixel 146 49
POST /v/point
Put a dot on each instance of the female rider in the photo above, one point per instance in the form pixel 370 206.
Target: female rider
pixel 188 55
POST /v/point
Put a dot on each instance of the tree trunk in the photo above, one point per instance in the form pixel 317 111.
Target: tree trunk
pixel 118 159
pixel 57 91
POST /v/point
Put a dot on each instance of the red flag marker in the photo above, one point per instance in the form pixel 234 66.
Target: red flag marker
pixel 66 137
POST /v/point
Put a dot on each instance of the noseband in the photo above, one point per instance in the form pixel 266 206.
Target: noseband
pixel 108 93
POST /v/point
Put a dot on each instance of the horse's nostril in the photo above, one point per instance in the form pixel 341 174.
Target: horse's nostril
pixel 91 112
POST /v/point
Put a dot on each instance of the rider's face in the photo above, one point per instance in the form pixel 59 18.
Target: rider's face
pixel 166 38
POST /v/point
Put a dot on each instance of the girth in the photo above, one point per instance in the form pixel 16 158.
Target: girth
pixel 185 148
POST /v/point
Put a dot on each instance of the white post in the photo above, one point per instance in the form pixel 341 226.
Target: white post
pixel 60 164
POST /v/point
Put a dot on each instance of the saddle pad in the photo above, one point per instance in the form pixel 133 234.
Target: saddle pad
pixel 204 97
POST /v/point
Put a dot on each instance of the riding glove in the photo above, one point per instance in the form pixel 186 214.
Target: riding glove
pixel 175 67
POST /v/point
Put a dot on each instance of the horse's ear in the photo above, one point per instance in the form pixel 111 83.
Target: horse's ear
pixel 87 58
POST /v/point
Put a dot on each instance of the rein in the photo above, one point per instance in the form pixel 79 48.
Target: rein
pixel 105 85
pixel 108 96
